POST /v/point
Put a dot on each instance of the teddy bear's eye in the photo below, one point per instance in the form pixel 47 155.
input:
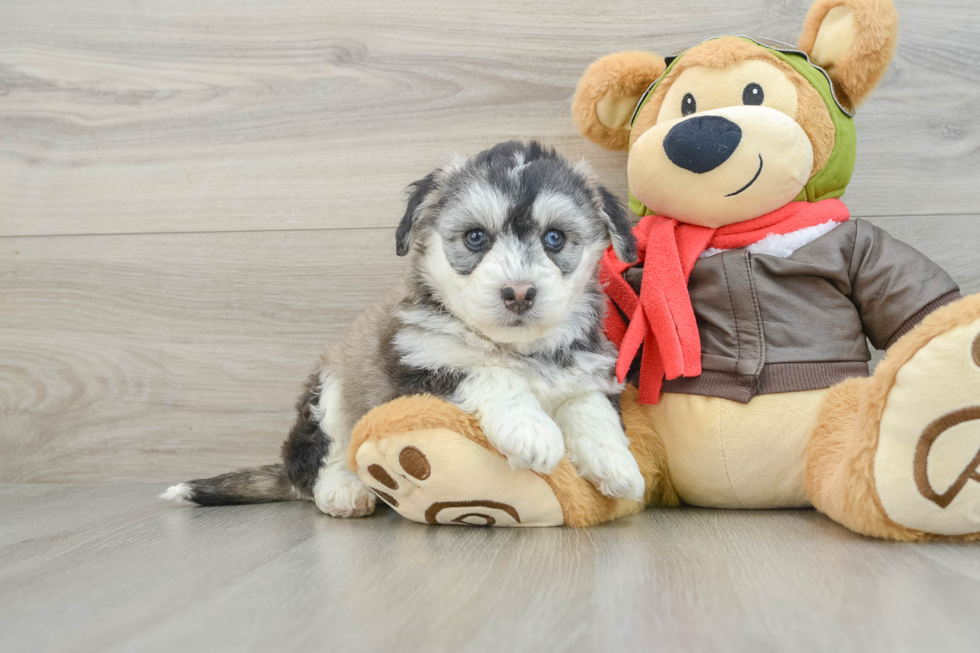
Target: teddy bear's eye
pixel 752 94
pixel 688 105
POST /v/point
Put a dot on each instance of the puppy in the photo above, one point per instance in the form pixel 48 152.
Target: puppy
pixel 500 313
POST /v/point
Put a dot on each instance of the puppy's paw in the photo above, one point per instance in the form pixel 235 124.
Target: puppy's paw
pixel 339 493
pixel 611 468
pixel 625 481
pixel 527 438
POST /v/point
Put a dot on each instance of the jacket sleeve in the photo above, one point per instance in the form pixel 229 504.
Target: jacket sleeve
pixel 893 285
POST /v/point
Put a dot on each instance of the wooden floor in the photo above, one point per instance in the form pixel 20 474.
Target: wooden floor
pixel 196 196
pixel 106 569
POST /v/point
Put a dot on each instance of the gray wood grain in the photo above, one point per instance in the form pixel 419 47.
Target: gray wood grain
pixel 142 357
pixel 119 116
pixel 88 568
pixel 167 356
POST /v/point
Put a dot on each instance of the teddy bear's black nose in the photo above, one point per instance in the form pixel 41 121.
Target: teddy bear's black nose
pixel 702 143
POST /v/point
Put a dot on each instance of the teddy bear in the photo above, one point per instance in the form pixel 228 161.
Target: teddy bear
pixel 742 328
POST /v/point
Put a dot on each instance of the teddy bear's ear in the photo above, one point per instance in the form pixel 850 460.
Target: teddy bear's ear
pixel 608 93
pixel 854 41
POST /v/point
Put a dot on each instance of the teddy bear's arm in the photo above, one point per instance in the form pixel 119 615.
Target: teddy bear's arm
pixel 893 285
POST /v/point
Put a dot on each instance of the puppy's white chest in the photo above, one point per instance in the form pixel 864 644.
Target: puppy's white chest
pixel 551 382
pixel 552 387
pixel 551 396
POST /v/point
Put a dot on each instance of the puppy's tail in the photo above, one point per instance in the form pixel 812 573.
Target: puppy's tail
pixel 251 485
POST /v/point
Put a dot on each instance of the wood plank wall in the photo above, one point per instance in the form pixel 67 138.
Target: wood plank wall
pixel 195 196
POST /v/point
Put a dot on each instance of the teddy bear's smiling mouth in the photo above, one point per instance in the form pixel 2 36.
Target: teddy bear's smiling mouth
pixel 745 187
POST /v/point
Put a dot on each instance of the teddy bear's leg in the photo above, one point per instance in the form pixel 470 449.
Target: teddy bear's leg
pixel 897 455
pixel 431 462
pixel 648 448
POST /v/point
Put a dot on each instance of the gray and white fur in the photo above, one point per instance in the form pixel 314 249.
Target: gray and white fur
pixel 500 313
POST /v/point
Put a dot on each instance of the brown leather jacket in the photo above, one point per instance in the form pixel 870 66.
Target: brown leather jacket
pixel 771 324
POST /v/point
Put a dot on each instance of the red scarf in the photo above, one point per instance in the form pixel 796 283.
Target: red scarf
pixel 661 317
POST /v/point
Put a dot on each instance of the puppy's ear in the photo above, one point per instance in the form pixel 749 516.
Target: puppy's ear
pixel 620 228
pixel 854 41
pixel 418 192
pixel 608 93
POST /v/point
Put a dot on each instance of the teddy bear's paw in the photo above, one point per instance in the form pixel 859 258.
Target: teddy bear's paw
pixel 927 465
pixel 339 493
pixel 437 476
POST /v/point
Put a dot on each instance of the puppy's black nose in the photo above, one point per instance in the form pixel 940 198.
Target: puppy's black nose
pixel 518 297
pixel 703 143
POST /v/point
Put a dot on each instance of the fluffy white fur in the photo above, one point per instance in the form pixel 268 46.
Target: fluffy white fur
pixel 338 492
pixel 512 418
pixel 180 493
pixel 530 413
pixel 525 409
pixel 598 447
pixel 485 204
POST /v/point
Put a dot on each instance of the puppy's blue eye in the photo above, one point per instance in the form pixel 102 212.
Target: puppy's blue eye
pixel 554 240
pixel 475 239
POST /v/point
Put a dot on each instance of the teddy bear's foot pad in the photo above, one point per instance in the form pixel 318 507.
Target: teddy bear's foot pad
pixel 927 465
pixel 437 476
